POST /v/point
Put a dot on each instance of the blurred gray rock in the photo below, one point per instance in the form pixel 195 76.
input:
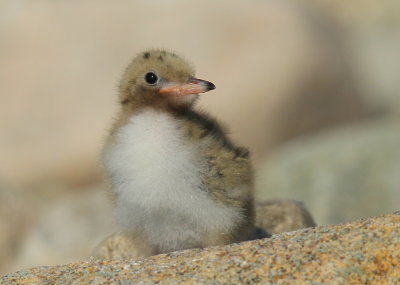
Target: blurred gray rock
pixel 66 229
pixel 342 175
pixel 282 215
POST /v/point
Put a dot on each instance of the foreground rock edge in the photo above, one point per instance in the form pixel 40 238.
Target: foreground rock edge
pixel 359 252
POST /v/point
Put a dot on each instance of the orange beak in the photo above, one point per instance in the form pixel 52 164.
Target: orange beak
pixel 192 86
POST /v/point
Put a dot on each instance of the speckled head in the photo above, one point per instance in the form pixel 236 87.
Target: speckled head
pixel 161 78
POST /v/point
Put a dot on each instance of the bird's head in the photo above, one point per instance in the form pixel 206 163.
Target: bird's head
pixel 161 78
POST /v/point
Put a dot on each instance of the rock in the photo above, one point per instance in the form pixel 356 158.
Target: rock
pixel 64 230
pixel 17 213
pixel 117 246
pixel 362 252
pixel 282 215
pixel 343 175
pixel 274 216
pixel 37 228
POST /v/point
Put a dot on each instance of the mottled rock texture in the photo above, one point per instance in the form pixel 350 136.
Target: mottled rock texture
pixel 274 216
pixel 362 252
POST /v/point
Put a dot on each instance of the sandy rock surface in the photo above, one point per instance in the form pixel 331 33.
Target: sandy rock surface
pixel 356 253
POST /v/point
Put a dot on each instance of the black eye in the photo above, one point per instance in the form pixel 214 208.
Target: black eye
pixel 151 78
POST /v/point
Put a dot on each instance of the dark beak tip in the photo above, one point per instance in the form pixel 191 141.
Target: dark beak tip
pixel 210 86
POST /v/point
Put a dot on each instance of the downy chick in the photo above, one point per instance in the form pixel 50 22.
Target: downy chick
pixel 177 179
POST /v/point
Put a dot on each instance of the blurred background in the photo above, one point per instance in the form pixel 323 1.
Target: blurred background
pixel 311 87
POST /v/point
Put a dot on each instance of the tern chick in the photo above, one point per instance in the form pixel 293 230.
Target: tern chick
pixel 178 181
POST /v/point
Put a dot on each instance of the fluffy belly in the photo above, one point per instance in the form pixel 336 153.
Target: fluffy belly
pixel 157 174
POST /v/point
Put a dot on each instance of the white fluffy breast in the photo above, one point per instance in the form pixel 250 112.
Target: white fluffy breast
pixel 157 176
